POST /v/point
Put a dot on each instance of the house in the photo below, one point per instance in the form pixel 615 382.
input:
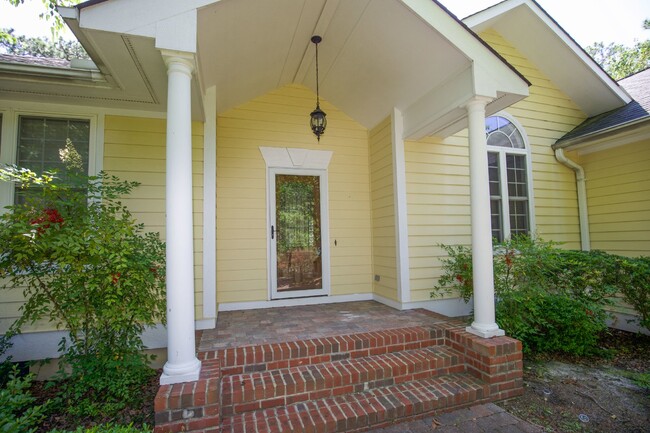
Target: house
pixel 438 131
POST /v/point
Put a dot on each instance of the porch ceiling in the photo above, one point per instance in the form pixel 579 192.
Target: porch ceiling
pixel 375 54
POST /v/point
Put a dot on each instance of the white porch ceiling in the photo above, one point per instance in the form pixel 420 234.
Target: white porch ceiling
pixel 375 54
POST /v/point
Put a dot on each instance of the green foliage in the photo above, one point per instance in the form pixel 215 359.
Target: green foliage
pixel 87 267
pixel 109 428
pixel 49 12
pixel 40 47
pixel 18 414
pixel 620 61
pixel 549 298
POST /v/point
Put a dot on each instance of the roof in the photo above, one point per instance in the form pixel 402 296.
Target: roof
pixel 542 41
pixel 35 61
pixel 638 86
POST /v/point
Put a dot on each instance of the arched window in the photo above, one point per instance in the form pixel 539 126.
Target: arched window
pixel 510 183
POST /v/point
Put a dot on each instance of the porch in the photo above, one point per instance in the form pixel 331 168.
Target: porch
pixel 343 367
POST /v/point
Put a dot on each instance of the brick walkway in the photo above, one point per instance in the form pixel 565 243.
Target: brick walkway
pixel 484 418
pixel 273 325
pixel 344 368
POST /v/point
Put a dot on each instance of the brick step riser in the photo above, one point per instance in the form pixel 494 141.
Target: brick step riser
pixel 275 356
pixel 283 388
pixel 358 412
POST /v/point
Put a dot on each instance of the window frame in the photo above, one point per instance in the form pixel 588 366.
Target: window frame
pixel 9 139
pixel 503 176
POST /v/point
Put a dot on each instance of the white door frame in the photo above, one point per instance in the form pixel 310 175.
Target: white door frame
pixel 272 239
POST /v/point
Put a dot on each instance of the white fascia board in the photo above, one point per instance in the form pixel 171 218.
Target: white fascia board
pixel 428 115
pixel 178 33
pixel 504 78
pixel 484 19
pixel 135 17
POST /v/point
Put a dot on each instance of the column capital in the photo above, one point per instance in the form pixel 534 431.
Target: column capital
pixel 477 103
pixel 182 60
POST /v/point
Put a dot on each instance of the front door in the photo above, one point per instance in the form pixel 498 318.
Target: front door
pixel 299 262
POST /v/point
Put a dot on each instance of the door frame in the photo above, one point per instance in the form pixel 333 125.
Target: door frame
pixel 272 243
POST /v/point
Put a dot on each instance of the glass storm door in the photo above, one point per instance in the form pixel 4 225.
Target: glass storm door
pixel 297 235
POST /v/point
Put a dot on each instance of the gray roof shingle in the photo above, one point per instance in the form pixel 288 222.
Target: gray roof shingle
pixel 35 61
pixel 638 86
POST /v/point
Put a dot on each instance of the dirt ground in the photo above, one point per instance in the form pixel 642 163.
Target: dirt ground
pixel 601 394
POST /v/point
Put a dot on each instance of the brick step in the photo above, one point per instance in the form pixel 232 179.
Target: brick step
pixel 261 390
pixel 273 356
pixel 360 411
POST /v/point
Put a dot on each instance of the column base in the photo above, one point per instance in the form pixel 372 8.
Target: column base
pixel 485 332
pixel 188 372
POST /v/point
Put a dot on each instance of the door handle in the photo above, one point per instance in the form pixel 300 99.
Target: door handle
pixel 272 232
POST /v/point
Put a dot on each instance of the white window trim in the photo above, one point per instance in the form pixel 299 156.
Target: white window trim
pixel 9 139
pixel 503 176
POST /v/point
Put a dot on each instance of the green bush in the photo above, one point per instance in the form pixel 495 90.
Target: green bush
pixel 86 267
pixel 108 428
pixel 18 414
pixel 552 299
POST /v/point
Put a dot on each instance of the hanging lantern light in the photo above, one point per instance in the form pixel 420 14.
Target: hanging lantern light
pixel 318 120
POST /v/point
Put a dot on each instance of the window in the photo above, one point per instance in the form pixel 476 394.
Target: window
pixel 47 144
pixel 508 168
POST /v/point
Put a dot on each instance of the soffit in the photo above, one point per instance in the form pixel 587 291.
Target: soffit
pixel 533 33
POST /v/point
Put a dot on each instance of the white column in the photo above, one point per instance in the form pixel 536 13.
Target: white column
pixel 182 364
pixel 484 324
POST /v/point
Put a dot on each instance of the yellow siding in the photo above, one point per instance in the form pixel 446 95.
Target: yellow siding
pixel 383 210
pixel 134 149
pixel 437 176
pixel 618 198
pixel 279 119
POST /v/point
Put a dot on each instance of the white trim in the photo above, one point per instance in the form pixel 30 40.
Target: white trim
pixel 483 18
pixel 77 110
pixel 9 139
pixel 503 175
pixel 272 240
pixel 210 323
pixel 401 211
pixel 452 307
pixel 287 157
pixel 209 204
pixel 253 305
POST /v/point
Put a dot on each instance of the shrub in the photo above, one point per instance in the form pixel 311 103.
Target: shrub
pixel 108 428
pixel 552 299
pixel 86 267
pixel 18 414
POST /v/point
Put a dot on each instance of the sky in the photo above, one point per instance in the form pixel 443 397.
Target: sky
pixel 587 21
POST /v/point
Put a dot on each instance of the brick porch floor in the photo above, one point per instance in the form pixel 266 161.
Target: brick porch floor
pixel 336 368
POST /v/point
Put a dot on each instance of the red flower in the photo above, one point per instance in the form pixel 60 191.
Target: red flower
pixel 49 216
pixel 459 277
pixel 116 277
pixel 508 259
pixel 589 312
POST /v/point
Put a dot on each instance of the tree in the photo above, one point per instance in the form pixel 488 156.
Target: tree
pixel 49 13
pixel 621 61
pixel 41 47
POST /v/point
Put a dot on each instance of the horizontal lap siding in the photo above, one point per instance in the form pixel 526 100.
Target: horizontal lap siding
pixel 134 150
pixel 438 177
pixel 618 191
pixel 280 119
pixel 383 210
